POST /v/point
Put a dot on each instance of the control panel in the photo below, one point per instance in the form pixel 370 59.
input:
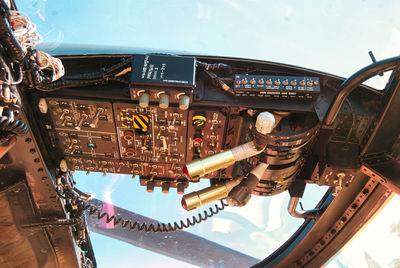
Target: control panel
pixel 84 128
pixel 279 87
pixel 152 135
pixel 163 79
pixel 206 135
pixel 153 142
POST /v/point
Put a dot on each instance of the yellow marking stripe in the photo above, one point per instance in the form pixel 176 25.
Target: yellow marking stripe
pixel 198 123
pixel 145 117
pixel 141 123
pixel 198 117
pixel 136 126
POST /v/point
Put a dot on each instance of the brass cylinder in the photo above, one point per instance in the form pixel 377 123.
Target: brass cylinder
pixel 200 167
pixel 202 197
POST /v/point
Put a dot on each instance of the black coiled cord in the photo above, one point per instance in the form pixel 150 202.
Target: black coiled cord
pixel 76 198
pixel 10 127
pixel 152 227
pixel 8 124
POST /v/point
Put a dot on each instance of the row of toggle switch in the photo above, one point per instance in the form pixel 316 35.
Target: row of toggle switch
pixel 66 119
pixel 277 82
pixel 165 186
pixel 150 183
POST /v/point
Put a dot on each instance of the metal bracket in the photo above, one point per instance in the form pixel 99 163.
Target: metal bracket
pixel 386 171
pixel 44 222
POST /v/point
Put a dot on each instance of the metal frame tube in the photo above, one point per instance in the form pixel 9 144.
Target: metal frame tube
pixel 312 213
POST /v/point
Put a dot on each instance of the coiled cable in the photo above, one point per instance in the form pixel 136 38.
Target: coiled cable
pixel 152 227
pixel 10 129
pixel 77 200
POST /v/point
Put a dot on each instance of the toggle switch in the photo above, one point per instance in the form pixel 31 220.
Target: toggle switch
pixel 150 186
pixel 164 143
pixel 96 117
pixel 81 121
pixel 180 188
pixel 165 187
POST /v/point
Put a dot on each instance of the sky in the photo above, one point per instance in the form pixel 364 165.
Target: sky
pixel 330 36
pixel 249 230
pixel 376 239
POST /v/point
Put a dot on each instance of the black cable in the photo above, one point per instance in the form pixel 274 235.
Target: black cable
pixel 155 228
pixel 78 83
pixel 219 82
pixel 81 194
pixel 33 76
pixel 74 196
pixel 20 76
pixel 212 66
pixel 103 73
pixel 13 47
pixel 66 84
pixel 88 79
pixel 353 123
pixel 13 6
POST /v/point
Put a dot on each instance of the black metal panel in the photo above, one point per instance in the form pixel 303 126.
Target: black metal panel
pixel 23 212
pixel 387 128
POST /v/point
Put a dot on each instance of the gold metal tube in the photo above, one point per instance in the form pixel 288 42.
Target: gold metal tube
pixel 202 197
pixel 200 167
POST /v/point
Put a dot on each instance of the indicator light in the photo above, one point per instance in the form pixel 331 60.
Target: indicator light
pixel 91 145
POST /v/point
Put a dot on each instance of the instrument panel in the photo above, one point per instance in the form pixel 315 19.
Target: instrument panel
pixel 126 138
pixel 152 127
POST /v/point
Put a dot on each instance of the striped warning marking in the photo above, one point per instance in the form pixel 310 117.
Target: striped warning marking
pixel 141 121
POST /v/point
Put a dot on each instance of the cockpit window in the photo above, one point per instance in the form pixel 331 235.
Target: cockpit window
pixel 329 37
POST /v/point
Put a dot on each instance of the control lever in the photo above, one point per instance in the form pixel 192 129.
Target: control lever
pixel 241 193
pixel 218 191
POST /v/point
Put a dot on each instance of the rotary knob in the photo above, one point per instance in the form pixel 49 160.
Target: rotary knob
pixel 164 101
pixel 144 100
pixel 184 102
pixel 265 123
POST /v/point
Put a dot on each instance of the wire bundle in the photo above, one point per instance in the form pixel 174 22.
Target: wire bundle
pixel 9 104
pixel 45 61
pixel 24 30
pixel 26 34
pixel 104 75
